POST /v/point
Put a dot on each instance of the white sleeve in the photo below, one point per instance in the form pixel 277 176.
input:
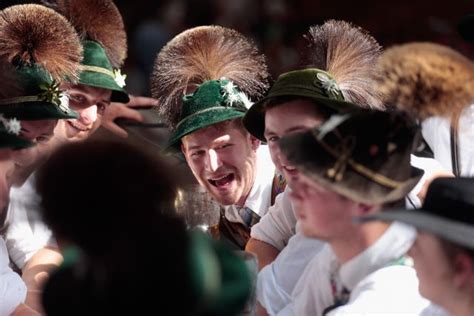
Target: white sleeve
pixel 392 289
pixel 429 166
pixel 12 287
pixel 277 280
pixel 26 233
pixel 278 225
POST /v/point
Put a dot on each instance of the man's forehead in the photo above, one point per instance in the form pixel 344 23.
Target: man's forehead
pixel 211 135
pixel 96 92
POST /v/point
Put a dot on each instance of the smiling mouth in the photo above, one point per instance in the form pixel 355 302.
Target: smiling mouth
pixel 78 126
pixel 222 181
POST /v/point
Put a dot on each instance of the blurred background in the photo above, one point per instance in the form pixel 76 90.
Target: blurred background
pixel 277 25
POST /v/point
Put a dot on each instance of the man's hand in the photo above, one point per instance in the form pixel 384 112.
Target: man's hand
pixel 24 310
pixel 120 110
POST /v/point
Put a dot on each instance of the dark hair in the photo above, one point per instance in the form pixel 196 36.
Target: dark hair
pixel 97 192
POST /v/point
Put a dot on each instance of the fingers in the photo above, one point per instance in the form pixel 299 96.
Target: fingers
pixel 141 101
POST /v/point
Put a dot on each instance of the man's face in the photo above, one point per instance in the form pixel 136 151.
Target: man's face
pixel 223 161
pixel 433 267
pixel 286 118
pixel 90 103
pixel 323 214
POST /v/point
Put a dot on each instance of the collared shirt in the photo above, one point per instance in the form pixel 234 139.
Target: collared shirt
pixel 259 198
pixel 378 286
pixel 434 310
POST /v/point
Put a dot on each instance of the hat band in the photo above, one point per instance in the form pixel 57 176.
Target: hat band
pixel 30 98
pixel 99 70
pixel 372 175
pixel 199 113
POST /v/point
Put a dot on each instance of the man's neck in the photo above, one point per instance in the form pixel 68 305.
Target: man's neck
pixel 357 240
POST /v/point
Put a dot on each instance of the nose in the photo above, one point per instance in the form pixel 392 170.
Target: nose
pixel 214 161
pixel 88 115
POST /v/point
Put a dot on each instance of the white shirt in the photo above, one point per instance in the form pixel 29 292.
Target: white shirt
pixel 26 233
pixel 259 198
pixel 12 287
pixel 434 310
pixel 436 132
pixel 378 286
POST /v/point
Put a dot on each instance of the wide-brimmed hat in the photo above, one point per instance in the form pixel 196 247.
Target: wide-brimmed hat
pixel 102 31
pixel 340 67
pixel 448 211
pixel 213 102
pixel 364 156
pixel 38 50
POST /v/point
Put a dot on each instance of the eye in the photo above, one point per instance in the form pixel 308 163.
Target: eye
pixel 77 98
pixel 197 153
pixel 272 138
pixel 43 139
pixel 101 106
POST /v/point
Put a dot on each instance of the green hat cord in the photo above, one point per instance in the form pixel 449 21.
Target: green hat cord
pixel 42 99
pixel 97 72
pixel 213 102
pixel 9 131
pixel 315 84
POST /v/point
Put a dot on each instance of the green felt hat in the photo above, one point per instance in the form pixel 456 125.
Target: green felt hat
pixel 40 99
pixel 220 278
pixel 214 101
pixel 364 156
pixel 312 83
pixel 97 72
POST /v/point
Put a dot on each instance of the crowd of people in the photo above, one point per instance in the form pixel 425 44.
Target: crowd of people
pixel 348 176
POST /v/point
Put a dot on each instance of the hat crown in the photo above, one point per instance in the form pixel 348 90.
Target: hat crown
pixel 311 82
pixel 213 93
pixel 95 55
pixel 451 198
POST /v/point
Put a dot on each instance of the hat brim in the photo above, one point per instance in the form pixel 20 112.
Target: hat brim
pixel 254 120
pixel 99 80
pixel 34 111
pixel 456 232
pixel 196 122
pixel 314 161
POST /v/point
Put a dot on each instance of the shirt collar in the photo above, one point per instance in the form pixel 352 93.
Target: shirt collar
pixel 390 247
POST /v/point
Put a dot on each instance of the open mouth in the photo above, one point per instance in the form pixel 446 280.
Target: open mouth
pixel 223 181
pixel 78 126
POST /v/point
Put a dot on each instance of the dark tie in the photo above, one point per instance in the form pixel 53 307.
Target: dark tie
pixel 248 216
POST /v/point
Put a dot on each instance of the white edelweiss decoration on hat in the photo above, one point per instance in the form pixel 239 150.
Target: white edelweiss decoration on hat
pixel 234 95
pixel 119 78
pixel 329 84
pixel 64 103
pixel 12 125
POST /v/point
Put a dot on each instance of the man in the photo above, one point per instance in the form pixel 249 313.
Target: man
pixel 354 165
pixel 28 240
pixel 217 70
pixel 40 49
pixel 298 102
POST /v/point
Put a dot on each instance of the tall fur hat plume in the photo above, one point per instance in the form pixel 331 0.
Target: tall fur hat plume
pixel 99 21
pixel 350 55
pixel 201 54
pixel 33 34
pixel 426 79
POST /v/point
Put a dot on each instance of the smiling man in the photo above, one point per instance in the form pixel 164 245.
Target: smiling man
pixel 217 70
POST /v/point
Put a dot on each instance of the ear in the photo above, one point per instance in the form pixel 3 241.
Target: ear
pixel 365 209
pixel 183 150
pixel 255 143
pixel 463 269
